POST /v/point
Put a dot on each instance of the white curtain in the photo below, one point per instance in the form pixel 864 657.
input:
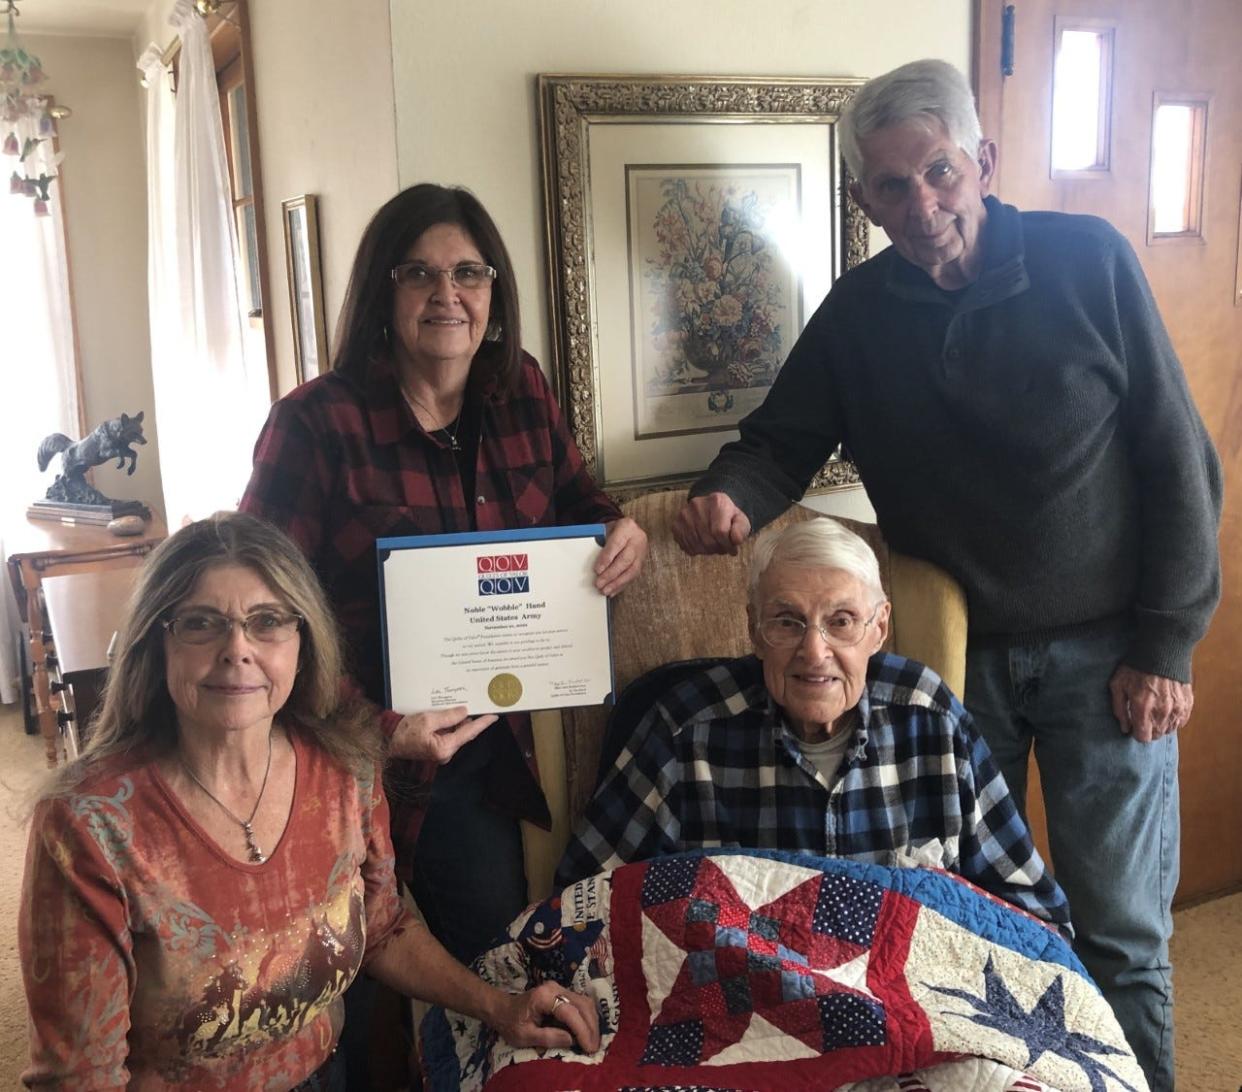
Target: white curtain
pixel 209 405
pixel 36 366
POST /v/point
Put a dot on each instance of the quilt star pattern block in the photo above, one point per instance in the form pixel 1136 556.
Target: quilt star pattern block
pixel 739 970
pixel 798 963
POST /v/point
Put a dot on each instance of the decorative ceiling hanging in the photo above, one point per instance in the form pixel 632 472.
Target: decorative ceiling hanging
pixel 27 119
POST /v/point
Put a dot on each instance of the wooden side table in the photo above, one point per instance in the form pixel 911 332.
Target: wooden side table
pixel 82 610
pixel 40 548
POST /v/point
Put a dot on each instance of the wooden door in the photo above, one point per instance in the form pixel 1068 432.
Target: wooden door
pixel 1186 49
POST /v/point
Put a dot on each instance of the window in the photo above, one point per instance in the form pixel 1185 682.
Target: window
pixel 228 31
pixel 1178 143
pixel 1082 99
pixel 233 113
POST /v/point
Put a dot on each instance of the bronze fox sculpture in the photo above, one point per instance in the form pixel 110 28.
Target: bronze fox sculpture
pixel 111 440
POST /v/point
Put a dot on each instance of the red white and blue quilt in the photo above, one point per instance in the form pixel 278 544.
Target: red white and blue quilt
pixel 738 969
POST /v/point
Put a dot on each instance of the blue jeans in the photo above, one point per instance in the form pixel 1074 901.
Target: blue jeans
pixel 1112 807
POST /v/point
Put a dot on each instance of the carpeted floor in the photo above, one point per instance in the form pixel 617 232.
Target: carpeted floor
pixel 1207 983
pixel 1207 948
pixel 20 766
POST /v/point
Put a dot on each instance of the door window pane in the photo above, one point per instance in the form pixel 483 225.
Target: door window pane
pixel 1081 93
pixel 1178 129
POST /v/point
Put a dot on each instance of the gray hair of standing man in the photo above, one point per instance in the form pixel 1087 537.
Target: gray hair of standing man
pixel 821 543
pixel 927 90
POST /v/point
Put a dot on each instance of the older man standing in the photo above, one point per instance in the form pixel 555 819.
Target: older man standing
pixel 1009 394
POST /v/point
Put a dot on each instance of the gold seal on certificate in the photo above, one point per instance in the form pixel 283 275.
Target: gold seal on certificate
pixel 497 621
pixel 505 690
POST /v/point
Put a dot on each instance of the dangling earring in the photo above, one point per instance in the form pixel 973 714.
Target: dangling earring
pixel 494 331
pixel 387 340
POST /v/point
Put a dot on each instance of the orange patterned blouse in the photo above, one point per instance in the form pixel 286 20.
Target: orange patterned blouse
pixel 153 959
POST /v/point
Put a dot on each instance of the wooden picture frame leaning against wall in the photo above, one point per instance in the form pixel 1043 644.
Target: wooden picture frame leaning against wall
pixel 304 268
pixel 693 225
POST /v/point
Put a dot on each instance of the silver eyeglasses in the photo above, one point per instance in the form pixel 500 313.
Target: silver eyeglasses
pixel 206 627
pixel 465 275
pixel 841 629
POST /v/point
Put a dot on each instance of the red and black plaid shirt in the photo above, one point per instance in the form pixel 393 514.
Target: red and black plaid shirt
pixel 342 462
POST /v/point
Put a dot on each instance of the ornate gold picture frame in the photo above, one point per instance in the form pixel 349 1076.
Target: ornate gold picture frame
pixel 305 272
pixel 693 226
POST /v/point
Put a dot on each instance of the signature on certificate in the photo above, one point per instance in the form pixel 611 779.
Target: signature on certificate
pixel 447 695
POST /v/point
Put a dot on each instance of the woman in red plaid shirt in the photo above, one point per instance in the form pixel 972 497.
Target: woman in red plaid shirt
pixel 432 420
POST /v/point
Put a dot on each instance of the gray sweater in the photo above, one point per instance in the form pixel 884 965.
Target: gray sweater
pixel 1032 434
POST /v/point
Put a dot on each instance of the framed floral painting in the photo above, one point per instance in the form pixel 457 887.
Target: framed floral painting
pixel 694 225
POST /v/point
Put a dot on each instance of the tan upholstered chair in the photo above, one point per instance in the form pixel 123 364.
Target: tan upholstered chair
pixel 685 607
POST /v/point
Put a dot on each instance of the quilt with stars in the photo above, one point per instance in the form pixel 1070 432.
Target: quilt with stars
pixel 742 969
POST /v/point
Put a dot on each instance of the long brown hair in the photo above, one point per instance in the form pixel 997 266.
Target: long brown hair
pixel 362 332
pixel 138 712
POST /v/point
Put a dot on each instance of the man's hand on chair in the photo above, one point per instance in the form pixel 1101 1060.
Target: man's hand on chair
pixel 711 524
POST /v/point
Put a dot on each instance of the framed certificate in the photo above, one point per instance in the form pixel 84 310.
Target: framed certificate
pixel 498 621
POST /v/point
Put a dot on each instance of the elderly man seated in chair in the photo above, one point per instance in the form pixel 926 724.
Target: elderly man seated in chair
pixel 817 742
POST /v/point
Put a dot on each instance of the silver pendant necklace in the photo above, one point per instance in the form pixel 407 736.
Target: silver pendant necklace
pixel 252 847
pixel 451 437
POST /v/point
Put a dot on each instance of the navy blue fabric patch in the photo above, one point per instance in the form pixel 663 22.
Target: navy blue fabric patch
pixel 737 994
pixel 851 1021
pixel 674 1044
pixel 669 879
pixel 847 908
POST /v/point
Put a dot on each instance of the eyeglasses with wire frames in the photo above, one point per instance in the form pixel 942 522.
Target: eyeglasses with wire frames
pixel 206 627
pixel 420 276
pixel 841 629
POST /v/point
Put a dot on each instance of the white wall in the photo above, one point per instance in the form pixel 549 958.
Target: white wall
pixel 465 81
pixel 154 27
pixel 323 87
pixel 106 227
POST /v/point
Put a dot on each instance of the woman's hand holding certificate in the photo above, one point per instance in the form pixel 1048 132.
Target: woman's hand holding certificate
pixel 436 735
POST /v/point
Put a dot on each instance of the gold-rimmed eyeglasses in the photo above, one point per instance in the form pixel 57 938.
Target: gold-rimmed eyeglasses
pixel 841 629
pixel 418 275
pixel 206 627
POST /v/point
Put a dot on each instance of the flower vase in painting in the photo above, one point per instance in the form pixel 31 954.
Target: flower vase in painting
pixel 716 298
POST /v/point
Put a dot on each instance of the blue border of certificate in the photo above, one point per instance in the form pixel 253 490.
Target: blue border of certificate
pixel 385 546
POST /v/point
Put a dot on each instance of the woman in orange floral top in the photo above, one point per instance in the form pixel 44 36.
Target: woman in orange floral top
pixel 206 880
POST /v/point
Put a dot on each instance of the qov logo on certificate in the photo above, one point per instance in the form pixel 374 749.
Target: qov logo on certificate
pixel 499 622
pixel 503 574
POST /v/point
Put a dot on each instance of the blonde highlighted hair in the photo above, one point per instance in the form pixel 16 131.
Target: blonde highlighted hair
pixel 137 712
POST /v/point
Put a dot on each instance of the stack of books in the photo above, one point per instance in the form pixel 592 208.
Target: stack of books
pixel 99 514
